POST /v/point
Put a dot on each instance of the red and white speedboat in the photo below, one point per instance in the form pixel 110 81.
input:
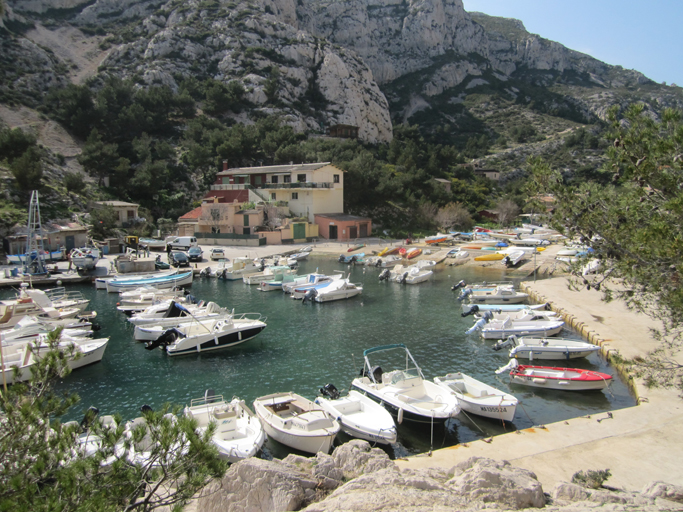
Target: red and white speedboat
pixel 569 379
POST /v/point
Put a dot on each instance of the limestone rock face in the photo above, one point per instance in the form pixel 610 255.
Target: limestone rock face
pixel 497 481
pixel 664 490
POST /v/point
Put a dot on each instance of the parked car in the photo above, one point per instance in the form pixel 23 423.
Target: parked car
pixel 181 242
pixel 217 254
pixel 178 259
pixel 195 254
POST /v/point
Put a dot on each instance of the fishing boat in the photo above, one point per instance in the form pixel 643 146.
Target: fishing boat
pixel 277 282
pixel 478 398
pixel 436 239
pixel 240 267
pixel 546 348
pixel 32 301
pixel 337 289
pixel 501 329
pixel 413 253
pixel 118 285
pixel 359 415
pixel 405 392
pixel 20 259
pixel 296 422
pixel 549 377
pixel 239 433
pixel 208 335
pixel 85 258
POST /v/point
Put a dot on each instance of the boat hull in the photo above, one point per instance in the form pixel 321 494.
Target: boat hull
pixel 119 285
pixel 478 398
pixel 564 379
pixel 208 343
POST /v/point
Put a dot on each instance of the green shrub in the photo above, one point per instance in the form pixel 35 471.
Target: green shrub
pixel 74 182
pixel 590 478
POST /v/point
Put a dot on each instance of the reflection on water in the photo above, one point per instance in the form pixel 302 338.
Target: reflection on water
pixel 308 345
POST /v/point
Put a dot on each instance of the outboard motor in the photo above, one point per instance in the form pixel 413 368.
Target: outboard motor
pixel 168 337
pixel 402 279
pixel 263 264
pixel 309 295
pixel 464 294
pixel 191 299
pixel 353 259
pixel 330 391
pixel 342 258
pixel 205 272
pixel 478 325
pixel 510 342
pixel 459 285
pixel 471 311
pixel 384 274
pixel 146 409
pixel 488 316
pixel 379 262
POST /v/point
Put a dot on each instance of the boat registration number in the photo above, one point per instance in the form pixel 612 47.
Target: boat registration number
pixel 492 409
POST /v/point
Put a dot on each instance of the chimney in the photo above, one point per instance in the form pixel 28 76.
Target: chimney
pixel 225 165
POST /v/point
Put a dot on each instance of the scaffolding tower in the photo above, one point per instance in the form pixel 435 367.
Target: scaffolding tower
pixel 34 260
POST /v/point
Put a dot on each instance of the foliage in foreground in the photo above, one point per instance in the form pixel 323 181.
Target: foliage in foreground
pixel 42 468
pixel 635 226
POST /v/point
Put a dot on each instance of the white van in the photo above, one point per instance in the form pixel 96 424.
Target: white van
pixel 182 243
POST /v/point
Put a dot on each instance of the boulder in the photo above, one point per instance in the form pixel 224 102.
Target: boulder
pixel 664 490
pixel 357 457
pixel 497 481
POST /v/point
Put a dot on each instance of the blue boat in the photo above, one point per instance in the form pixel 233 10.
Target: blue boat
pixel 351 259
pixel 159 282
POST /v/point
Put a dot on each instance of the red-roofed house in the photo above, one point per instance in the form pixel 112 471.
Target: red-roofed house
pixel 187 224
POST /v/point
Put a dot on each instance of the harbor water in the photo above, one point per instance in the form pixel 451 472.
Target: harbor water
pixel 307 345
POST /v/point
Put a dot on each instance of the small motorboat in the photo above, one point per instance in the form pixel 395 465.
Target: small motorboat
pixel 501 329
pixel 85 258
pixel 389 261
pixel 351 258
pixel 471 309
pixel 522 315
pixel 512 258
pixel 359 415
pixel 314 280
pixel 208 335
pixel 296 422
pixel 240 267
pixel 355 247
pixel 334 290
pixel 117 285
pixel 478 398
pixel 426 264
pixel 565 379
pixel 239 433
pixel 269 273
pixel 410 275
pixel 546 348
pixel 168 313
pixel 495 295
pixel 142 447
pixel 404 392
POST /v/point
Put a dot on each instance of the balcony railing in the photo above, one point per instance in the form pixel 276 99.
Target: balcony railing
pixel 299 184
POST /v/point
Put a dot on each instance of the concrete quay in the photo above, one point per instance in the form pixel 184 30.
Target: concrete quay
pixel 638 445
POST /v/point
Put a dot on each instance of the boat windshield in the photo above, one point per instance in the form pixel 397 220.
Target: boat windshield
pixel 400 376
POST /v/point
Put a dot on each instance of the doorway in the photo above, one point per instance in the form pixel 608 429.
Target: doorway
pixel 333 232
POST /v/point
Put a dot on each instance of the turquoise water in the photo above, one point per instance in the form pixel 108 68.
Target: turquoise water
pixel 308 345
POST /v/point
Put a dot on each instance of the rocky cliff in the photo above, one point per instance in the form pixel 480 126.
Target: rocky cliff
pixel 366 63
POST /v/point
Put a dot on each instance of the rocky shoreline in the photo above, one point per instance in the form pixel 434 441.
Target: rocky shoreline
pixel 357 477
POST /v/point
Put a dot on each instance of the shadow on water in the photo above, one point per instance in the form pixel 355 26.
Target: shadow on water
pixel 306 346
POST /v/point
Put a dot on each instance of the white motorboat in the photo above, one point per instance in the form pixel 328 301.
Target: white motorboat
pixel 208 335
pixel 471 309
pixel 372 261
pixel 240 267
pixel 31 301
pixel 101 282
pixel 529 242
pixel 32 327
pixel 268 274
pixel 131 306
pixel 389 261
pixel 404 392
pixel 410 275
pixel 144 450
pixel 117 285
pixel 478 398
pixel 278 282
pixel 522 315
pixel 316 282
pixel 592 267
pixel 512 258
pixel 239 433
pixel 546 348
pixel 168 312
pixel 334 290
pixel 299 256
pixel 23 355
pixel 501 329
pixel 496 295
pixel 85 258
pixel 359 415
pixel 296 422
pixel 549 377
